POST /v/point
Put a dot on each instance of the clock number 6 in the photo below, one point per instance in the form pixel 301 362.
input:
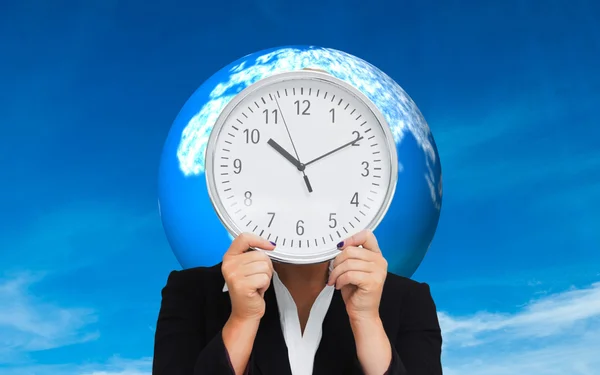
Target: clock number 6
pixel 300 227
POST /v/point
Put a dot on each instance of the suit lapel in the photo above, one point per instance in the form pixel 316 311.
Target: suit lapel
pixel 337 343
pixel 270 350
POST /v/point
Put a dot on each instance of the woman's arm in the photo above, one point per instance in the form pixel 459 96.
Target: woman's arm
pixel 417 348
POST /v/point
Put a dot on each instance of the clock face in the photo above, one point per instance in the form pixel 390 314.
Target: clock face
pixel 301 159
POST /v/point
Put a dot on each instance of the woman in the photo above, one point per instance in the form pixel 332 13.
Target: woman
pixel 348 316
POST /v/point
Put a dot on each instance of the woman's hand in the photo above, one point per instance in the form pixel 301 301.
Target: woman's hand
pixel 360 271
pixel 248 275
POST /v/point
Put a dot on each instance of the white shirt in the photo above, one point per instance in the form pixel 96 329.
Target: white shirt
pixel 301 348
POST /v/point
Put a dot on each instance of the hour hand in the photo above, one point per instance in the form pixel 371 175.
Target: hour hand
pixel 286 154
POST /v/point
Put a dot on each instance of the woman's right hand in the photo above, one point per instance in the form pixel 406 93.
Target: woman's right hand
pixel 248 275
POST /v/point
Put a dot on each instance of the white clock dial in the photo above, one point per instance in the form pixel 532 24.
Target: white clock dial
pixel 303 160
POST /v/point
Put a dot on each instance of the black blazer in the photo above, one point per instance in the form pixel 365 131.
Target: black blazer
pixel 194 309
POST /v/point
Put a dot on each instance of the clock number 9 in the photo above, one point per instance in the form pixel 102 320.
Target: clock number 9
pixel 300 227
pixel 252 135
pixel 306 107
pixel 237 165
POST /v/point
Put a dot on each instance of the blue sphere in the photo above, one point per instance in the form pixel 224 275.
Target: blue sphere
pixel 193 229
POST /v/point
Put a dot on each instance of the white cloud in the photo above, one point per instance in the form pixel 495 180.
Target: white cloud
pixel 114 366
pixel 555 334
pixel 29 323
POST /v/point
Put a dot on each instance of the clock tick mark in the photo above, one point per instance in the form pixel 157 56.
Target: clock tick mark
pixel 250 109
pixel 368 208
pixel 293 93
pixel 235 127
pixel 226 150
pixel 225 182
pixel 238 211
pixel 224 157
pixel 333 97
pixel 331 237
pixel 261 232
pixel 376 152
pixel 231 135
pixel 225 174
pixel 363 124
pixel 271 97
pixel 269 236
pixel 376 160
pixel 346 107
pixel 325 97
pixel 227 189
pixel 354 110
pixel 228 142
pixel 276 238
pixel 359 116
pixel 301 90
pixel 370 199
pixel 352 225
pixel 250 222
pixel 376 176
pixel 255 228
pixel 375 184
pixel 340 102
pixel 231 196
pixel 286 94
pixel 300 243
pixel 240 121
pixel 318 90
pixel 374 144
pixel 371 137
pixel 357 219
pixel 263 100
pixel 278 95
pixel 345 230
pixel 244 115
pixel 368 130
pixel 323 240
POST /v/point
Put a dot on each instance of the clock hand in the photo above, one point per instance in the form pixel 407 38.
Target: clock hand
pixel 286 154
pixel 335 150
pixel 306 180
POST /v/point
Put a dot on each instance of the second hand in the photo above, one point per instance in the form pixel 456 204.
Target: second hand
pixel 306 180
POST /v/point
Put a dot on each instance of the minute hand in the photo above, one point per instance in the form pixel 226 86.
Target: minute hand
pixel 335 150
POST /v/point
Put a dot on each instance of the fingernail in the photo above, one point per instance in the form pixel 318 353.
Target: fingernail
pixel 341 244
pixel 273 243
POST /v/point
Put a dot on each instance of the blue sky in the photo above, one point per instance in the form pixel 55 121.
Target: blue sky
pixel 510 90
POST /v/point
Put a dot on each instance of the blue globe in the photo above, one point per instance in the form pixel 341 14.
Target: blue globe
pixel 192 227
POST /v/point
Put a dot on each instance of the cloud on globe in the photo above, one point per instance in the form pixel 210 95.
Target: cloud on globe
pixel 193 229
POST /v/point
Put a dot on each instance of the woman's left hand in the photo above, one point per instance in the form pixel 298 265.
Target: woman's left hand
pixel 360 272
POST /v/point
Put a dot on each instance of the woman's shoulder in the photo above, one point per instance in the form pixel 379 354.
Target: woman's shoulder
pixel 402 294
pixel 197 280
